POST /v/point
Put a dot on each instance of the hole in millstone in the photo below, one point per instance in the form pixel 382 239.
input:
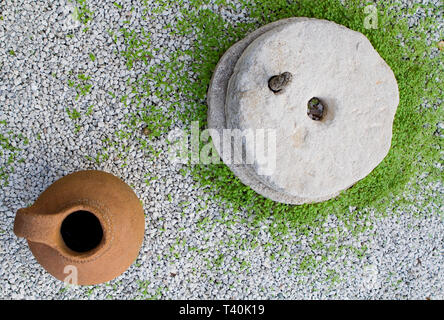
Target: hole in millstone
pixel 81 231
pixel 279 82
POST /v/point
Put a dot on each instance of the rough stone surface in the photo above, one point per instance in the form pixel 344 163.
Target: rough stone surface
pixel 216 108
pixel 315 160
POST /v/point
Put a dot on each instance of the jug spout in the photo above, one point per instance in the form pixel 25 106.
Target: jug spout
pixel 38 227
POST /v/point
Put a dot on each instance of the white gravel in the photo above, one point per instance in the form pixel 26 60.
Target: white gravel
pixel 405 256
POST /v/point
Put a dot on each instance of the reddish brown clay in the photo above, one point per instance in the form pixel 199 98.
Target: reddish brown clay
pixel 59 227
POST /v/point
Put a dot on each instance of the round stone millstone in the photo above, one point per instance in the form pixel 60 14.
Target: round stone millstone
pixel 316 156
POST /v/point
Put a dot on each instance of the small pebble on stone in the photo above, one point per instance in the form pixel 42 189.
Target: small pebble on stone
pixel 315 109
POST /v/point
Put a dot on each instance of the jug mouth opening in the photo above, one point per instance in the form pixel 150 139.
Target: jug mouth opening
pixel 82 232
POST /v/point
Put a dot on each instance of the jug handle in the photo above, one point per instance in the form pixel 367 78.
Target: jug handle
pixel 37 227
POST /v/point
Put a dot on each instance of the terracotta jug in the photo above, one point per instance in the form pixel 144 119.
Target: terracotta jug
pixel 86 228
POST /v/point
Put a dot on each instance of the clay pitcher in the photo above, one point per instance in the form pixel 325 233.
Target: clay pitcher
pixel 86 228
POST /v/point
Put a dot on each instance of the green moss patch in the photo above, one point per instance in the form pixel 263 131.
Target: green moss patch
pixel 11 145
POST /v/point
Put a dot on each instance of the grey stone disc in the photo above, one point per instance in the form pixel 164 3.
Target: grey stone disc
pixel 315 160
